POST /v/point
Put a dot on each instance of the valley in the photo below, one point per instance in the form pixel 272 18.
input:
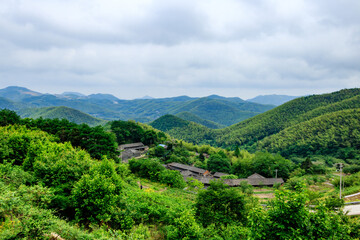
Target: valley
pixel 61 173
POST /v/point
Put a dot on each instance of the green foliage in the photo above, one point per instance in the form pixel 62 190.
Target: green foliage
pixel 95 140
pixel 194 184
pixel 153 170
pixel 326 134
pixel 218 163
pixel 288 217
pixel 8 117
pixel 307 165
pixel 146 168
pixel 130 132
pixel 263 163
pixel 230 176
pixel 184 227
pixel 220 204
pixel 96 194
pixel 15 143
pixel 172 178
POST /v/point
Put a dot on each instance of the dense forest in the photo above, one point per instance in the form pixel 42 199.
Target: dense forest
pixel 54 185
pixel 283 126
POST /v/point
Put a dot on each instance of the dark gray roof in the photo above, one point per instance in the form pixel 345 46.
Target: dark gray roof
pixel 132 145
pixel 255 175
pixel 254 181
pixel 186 173
pixel 219 174
pixel 183 167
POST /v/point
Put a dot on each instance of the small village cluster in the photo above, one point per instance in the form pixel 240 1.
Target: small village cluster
pixel 134 150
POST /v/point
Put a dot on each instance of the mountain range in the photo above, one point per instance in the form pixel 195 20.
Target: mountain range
pixel 213 111
pixel 273 99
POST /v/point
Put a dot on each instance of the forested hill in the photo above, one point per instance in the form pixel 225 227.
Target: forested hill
pixel 248 132
pixel 336 134
pixel 280 129
pixel 221 110
pixel 69 114
pixel 183 129
pixel 194 118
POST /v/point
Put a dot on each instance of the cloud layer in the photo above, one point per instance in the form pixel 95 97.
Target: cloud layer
pixel 166 48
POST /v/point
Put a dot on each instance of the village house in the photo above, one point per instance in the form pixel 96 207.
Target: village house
pixel 205 176
pixel 132 150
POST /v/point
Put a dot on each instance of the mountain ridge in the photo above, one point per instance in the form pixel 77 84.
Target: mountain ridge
pixel 221 110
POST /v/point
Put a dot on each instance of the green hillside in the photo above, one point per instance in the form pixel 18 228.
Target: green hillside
pixel 194 118
pixel 183 129
pixel 298 110
pixel 69 114
pixel 306 125
pixel 222 111
pixel 328 134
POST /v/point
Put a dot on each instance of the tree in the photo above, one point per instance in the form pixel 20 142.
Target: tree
pixel 96 194
pixel 237 151
pixel 218 163
pixel 307 165
pixel 220 205
pixel 8 117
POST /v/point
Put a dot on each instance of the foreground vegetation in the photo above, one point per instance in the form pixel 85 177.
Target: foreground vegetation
pixel 52 187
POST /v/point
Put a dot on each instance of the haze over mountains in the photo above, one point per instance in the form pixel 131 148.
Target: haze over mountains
pixel 272 99
pixel 213 111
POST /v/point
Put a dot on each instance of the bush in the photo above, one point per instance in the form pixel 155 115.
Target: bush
pixel 184 227
pixel 146 168
pixel 172 178
pixel 220 205
pixel 96 195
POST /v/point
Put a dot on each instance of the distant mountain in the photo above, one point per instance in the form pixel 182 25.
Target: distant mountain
pixel 225 112
pixel 73 94
pixel 17 93
pixel 194 118
pixel 231 99
pixel 274 99
pixel 145 97
pixel 70 114
pixel 101 96
pixel 217 109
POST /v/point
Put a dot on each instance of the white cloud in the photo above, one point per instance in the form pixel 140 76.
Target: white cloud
pixel 163 48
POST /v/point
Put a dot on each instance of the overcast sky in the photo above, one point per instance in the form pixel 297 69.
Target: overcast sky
pixel 164 48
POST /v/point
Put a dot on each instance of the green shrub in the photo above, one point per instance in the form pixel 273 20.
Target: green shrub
pixel 146 168
pixel 172 178
pixel 220 205
pixel 184 227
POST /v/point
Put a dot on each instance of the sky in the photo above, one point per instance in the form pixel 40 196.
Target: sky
pixel 165 48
